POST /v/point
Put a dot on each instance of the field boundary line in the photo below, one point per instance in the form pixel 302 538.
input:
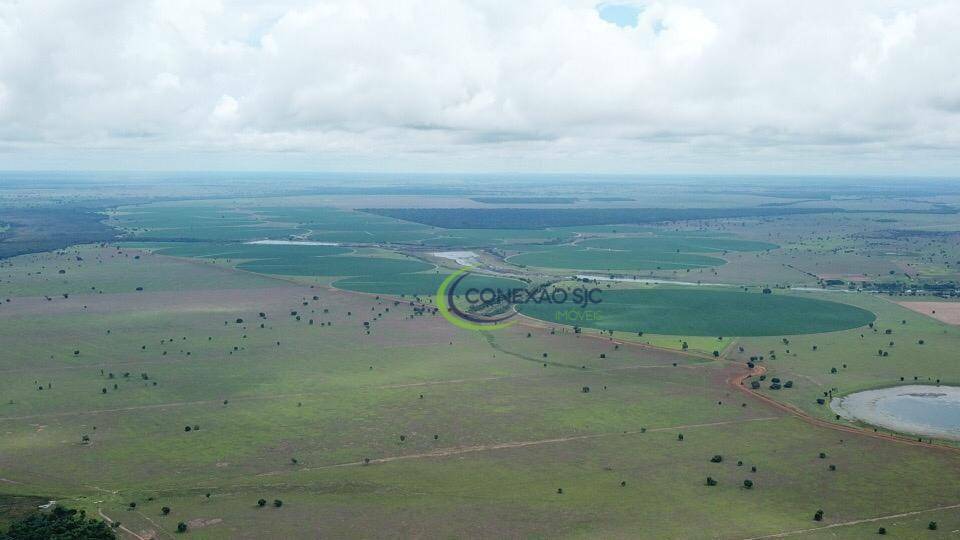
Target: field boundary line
pixel 854 522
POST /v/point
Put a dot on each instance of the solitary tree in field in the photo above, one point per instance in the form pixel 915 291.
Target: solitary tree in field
pixel 165 510
pixel 261 503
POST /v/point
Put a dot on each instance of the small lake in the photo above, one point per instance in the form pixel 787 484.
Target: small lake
pixel 290 243
pixel 931 411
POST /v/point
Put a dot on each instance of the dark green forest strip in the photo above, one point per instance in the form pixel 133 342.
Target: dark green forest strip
pixel 34 230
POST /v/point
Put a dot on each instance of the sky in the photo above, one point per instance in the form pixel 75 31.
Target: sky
pixel 700 87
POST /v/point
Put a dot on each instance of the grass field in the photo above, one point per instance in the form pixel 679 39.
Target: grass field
pixel 321 376
pixel 492 425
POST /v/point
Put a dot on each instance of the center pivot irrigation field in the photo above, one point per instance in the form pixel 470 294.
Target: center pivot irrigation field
pixel 705 312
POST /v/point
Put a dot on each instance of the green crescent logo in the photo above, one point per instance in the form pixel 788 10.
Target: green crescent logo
pixel 454 315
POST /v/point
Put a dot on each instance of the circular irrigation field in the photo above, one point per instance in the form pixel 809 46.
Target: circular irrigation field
pixel 698 312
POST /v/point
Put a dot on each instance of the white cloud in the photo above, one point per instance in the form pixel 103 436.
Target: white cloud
pixel 736 85
pixel 226 109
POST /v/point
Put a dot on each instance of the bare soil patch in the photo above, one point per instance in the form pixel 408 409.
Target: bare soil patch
pixel 948 312
pixel 200 522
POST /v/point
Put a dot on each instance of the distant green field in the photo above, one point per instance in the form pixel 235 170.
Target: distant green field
pixel 524 200
pixel 335 266
pixel 208 250
pixel 221 221
pixel 639 253
pixel 495 237
pixel 224 222
pixel 302 260
pixel 421 284
pixel 699 312
pixel 371 274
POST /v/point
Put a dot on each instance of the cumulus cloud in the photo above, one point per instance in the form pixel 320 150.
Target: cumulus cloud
pixel 735 85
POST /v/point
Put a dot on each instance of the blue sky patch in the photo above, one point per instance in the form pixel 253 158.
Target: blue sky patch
pixel 622 14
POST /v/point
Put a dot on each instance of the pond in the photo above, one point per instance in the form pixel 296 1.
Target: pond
pixel 931 411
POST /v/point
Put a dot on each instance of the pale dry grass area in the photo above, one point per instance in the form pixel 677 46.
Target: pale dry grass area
pixel 948 312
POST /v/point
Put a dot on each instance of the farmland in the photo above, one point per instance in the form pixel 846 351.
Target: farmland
pixel 289 348
pixel 639 253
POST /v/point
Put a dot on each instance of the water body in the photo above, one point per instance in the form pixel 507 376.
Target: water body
pixel 291 243
pixel 463 258
pixel 932 411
